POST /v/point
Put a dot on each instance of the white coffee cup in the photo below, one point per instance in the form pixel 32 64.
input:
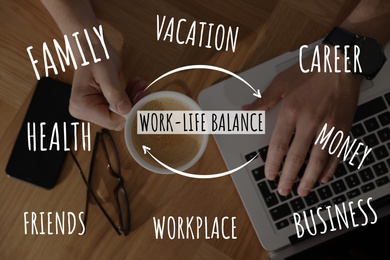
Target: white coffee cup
pixel 190 103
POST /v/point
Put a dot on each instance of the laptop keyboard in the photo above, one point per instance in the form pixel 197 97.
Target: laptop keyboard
pixel 372 125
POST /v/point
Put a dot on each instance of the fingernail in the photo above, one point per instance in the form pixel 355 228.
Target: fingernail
pixel 142 82
pixel 247 107
pixel 121 126
pixel 270 175
pixel 284 191
pixel 325 179
pixel 123 107
pixel 134 79
pixel 135 97
pixel 303 191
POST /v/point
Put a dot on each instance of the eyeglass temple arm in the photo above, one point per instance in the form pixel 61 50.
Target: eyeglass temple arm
pixel 91 192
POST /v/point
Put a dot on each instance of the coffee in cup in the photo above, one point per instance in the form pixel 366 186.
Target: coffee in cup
pixel 179 151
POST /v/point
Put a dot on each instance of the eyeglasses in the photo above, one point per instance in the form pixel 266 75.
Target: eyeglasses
pixel 114 170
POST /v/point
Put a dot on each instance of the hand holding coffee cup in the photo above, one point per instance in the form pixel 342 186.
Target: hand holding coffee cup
pixel 179 151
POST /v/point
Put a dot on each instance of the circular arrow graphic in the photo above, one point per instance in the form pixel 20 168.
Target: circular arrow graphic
pixel 196 176
pixel 207 67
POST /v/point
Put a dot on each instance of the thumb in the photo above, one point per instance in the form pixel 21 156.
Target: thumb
pixel 113 91
pixel 269 98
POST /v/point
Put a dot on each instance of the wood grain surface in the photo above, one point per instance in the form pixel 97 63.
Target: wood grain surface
pixel 267 28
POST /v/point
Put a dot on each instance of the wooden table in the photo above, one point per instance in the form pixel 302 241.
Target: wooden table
pixel 267 29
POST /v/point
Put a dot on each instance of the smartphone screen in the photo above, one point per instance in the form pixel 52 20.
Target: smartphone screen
pixel 44 136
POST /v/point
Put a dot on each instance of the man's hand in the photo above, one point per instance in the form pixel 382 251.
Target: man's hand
pixel 97 85
pixel 308 102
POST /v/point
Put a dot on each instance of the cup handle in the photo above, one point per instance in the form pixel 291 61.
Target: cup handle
pixel 116 112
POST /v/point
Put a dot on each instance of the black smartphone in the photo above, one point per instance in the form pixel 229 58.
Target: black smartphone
pixel 44 137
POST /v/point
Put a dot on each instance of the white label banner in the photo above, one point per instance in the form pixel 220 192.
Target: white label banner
pixel 200 122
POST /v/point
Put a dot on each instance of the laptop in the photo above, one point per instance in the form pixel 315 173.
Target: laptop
pixel 272 215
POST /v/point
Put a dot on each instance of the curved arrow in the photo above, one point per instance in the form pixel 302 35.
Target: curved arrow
pixel 197 176
pixel 208 67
